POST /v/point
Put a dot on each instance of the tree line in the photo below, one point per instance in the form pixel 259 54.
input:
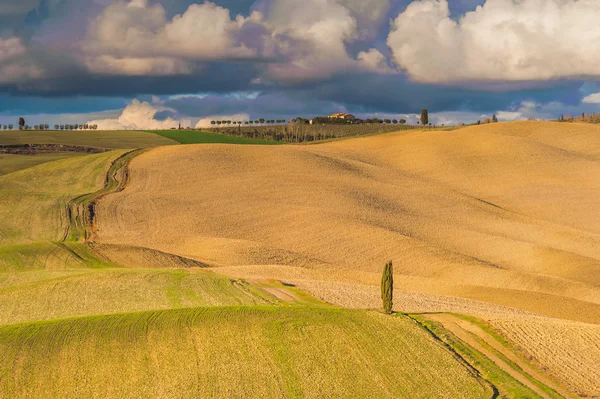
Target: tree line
pixel 44 126
pixel 260 121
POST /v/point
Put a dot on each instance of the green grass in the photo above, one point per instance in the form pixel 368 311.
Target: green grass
pixel 33 201
pixel 49 294
pixel 485 327
pixel 236 352
pixel 47 255
pixel 196 137
pixel 10 163
pixel 117 139
pixel 507 386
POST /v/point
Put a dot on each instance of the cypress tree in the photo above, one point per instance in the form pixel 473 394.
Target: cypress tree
pixel 424 117
pixel 387 288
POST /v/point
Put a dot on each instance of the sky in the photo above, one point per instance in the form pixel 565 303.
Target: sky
pixel 152 64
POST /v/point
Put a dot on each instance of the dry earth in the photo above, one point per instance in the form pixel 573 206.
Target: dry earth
pixel 493 220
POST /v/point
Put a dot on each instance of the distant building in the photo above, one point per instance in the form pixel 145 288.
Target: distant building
pixel 342 115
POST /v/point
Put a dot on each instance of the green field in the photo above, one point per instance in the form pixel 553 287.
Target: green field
pixel 33 201
pixel 10 163
pixel 236 352
pixel 48 294
pixel 196 137
pixel 116 139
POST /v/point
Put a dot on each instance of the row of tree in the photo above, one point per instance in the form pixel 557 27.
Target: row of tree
pixel 45 126
pixel 324 120
pixel 319 120
pixel 588 118
pixel 260 121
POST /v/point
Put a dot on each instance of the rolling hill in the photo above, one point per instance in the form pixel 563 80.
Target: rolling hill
pixel 219 271
pixel 499 221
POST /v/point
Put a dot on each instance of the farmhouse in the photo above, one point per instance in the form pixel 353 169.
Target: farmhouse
pixel 342 115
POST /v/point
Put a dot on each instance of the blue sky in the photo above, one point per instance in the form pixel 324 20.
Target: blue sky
pixel 189 61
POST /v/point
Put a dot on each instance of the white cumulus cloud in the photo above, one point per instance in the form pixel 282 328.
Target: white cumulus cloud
pixel 592 99
pixel 136 38
pixel 502 40
pixel 139 115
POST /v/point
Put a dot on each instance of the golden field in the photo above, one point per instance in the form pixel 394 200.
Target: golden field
pixel 499 221
pixel 485 213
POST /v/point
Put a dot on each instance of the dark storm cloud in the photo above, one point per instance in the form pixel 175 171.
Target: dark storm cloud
pixel 385 93
pixel 212 77
pixel 276 104
pixel 50 105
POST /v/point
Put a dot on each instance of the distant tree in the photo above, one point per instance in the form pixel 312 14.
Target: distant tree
pixel 213 122
pixel 495 119
pixel 387 121
pixel 21 123
pixel 86 126
pixel 262 120
pixel 402 121
pixel 36 127
pixel 479 122
pixel 424 117
pixel 55 127
pixel 251 122
pixel 246 122
pixel 395 121
pixel 95 127
pixel 219 123
pixel 10 127
pixel 46 126
pixel 387 288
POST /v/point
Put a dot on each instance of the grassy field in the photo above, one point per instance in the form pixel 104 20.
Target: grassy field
pixel 196 137
pixel 47 294
pixel 117 139
pixel 33 201
pixel 10 163
pixel 303 133
pixel 231 352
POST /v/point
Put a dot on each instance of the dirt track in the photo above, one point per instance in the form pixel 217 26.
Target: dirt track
pixel 473 335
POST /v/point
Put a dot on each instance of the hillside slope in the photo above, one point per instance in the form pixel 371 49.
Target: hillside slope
pixel 278 353
pixel 506 213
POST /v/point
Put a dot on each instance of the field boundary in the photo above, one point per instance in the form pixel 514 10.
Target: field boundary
pixel 34 149
pixel 504 372
pixel 81 211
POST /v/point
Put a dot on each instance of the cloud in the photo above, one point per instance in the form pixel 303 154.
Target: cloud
pixel 14 65
pixel 592 99
pixel 135 38
pixel 312 36
pixel 503 40
pixel 295 40
pixel 140 115
pixel 205 122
